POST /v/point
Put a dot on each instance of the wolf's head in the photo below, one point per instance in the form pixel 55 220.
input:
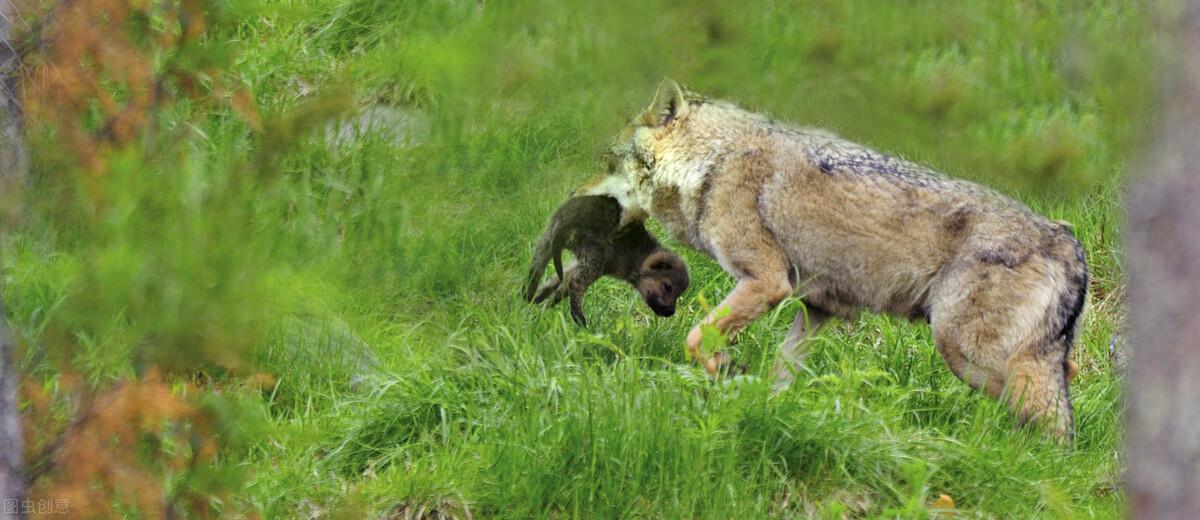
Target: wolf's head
pixel 677 130
pixel 640 146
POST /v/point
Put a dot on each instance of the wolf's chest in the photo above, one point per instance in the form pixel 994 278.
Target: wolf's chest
pixel 672 194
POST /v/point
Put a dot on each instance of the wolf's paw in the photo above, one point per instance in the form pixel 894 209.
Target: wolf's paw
pixel 721 366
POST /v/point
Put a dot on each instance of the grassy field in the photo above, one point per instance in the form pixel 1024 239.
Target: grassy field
pixel 343 284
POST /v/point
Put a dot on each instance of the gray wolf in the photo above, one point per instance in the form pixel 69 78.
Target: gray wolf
pixel 800 211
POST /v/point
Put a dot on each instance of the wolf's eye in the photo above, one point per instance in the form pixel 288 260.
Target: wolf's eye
pixel 661 266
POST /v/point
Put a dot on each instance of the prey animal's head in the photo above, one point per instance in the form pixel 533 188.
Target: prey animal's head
pixel 589 226
pixel 661 279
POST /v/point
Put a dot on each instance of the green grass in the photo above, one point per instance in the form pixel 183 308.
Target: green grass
pixel 377 278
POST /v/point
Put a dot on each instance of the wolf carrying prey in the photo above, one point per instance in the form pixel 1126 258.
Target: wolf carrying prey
pixel 799 211
pixel 590 227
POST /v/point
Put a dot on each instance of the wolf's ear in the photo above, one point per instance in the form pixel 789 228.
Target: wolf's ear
pixel 668 105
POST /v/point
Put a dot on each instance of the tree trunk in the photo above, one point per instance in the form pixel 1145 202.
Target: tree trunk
pixel 1163 254
pixel 12 480
pixel 13 166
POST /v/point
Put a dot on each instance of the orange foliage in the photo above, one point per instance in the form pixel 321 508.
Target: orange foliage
pixel 102 66
pixel 95 75
pixel 121 449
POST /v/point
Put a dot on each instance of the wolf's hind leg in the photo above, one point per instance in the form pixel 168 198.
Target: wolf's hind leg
pixel 1034 386
pixel 993 325
pixel 1037 391
pixel 987 380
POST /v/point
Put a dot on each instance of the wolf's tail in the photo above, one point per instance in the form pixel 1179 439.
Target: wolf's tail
pixel 1065 315
pixel 1064 324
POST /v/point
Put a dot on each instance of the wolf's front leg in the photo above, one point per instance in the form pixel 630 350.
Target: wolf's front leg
pixel 795 345
pixel 749 300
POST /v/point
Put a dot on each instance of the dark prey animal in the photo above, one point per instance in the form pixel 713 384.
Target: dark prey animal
pixel 590 228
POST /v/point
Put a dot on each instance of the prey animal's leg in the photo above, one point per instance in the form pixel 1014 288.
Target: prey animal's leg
pixel 795 347
pixel 553 290
pixel 585 272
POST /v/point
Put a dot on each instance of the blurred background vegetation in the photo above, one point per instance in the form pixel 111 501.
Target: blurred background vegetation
pixel 271 251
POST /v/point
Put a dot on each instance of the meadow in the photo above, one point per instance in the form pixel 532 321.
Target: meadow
pixel 335 279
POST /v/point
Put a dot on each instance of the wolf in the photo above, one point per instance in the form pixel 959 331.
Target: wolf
pixel 791 210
